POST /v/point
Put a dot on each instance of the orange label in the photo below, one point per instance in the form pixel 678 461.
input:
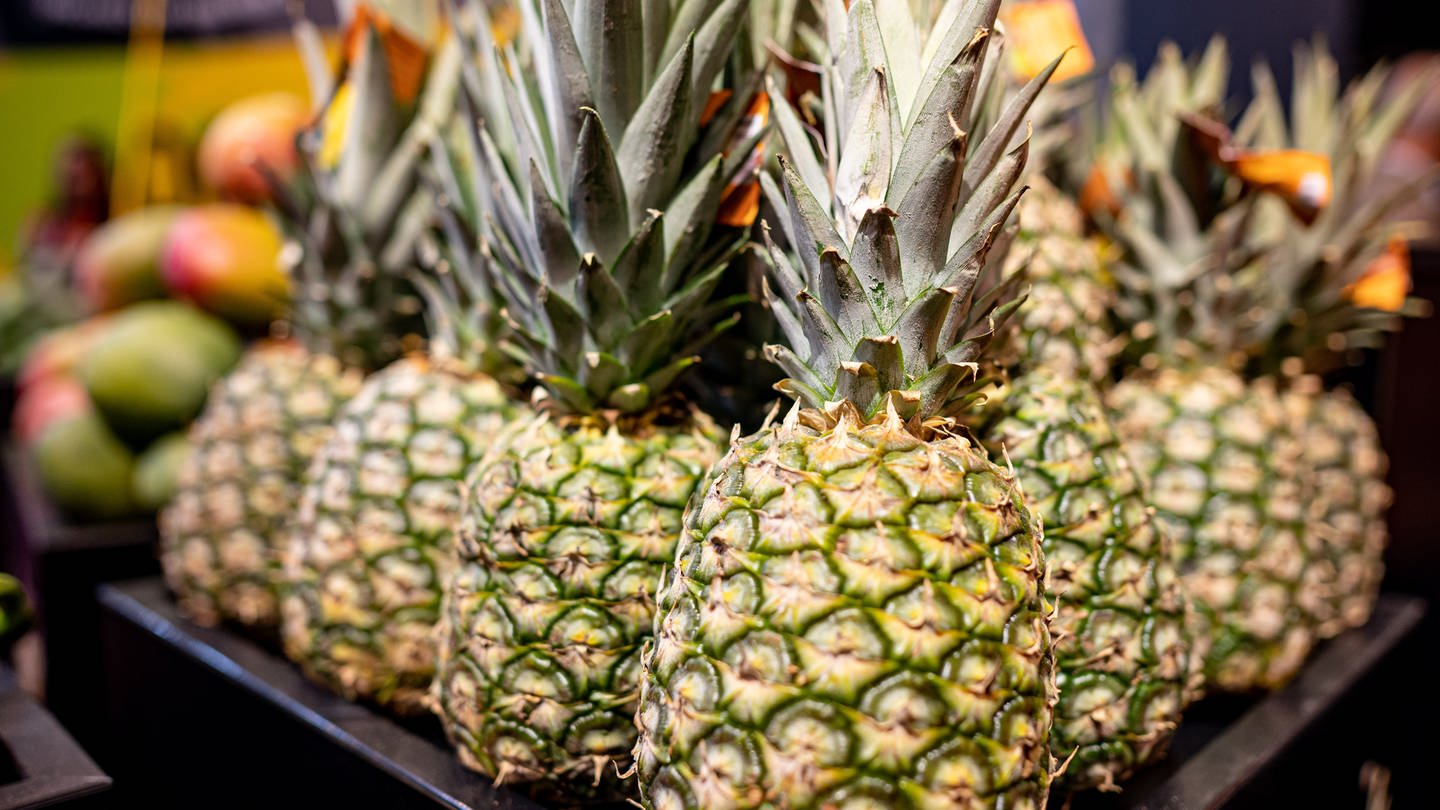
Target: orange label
pixel 1386 282
pixel 404 56
pixel 1037 31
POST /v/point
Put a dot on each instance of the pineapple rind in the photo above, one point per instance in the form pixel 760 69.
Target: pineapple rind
pixel 1121 646
pixel 1064 324
pixel 1223 462
pixel 221 536
pixel 567 530
pixel 1345 497
pixel 369 542
pixel 854 614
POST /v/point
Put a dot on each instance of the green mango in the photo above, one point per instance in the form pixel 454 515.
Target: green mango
pixel 84 468
pixel 149 373
pixel 156 470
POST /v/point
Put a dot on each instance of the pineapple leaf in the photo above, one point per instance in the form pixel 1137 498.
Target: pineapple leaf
pixel 611 39
pixel 652 151
pixel 597 193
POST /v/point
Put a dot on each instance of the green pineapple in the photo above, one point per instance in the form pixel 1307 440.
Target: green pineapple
pixel 1122 652
pixel 1225 292
pixel 354 225
pixel 368 542
pixel 855 616
pixel 601 196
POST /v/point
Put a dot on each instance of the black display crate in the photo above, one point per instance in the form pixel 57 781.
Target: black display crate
pixel 207 704
pixel 206 707
pixel 61 562
pixel 40 764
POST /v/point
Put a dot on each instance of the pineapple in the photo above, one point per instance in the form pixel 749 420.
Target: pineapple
pixel 601 200
pixel 855 615
pixel 367 544
pixel 1122 651
pixel 1228 297
pixel 353 231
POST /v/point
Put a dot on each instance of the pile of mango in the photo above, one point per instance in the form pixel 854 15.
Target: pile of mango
pixel 170 293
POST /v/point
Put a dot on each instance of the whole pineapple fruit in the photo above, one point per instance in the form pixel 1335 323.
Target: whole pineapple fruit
pixel 1235 249
pixel 607 254
pixel 368 542
pixel 855 615
pixel 352 219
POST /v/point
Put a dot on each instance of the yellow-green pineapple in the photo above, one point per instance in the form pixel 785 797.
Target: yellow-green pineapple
pixel 601 198
pixel 855 616
pixel 354 220
pixel 1235 252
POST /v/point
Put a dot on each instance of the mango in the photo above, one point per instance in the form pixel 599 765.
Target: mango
pixel 225 259
pixel 119 262
pixel 150 372
pixel 254 132
pixel 84 468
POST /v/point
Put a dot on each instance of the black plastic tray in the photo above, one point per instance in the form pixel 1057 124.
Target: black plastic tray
pixel 43 767
pixel 160 663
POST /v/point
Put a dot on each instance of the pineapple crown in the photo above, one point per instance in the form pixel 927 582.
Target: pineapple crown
pixel 357 214
pixel 1240 246
pixel 897 222
pixel 596 191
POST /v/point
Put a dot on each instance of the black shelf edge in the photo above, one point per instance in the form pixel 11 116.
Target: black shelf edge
pixel 1226 743
pixel 427 766
pixel 53 767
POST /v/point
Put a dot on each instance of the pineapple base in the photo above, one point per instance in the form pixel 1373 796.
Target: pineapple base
pixel 568 528
pixel 221 535
pixel 370 539
pixel 855 618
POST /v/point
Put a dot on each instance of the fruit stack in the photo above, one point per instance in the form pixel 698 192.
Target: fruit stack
pixel 1055 453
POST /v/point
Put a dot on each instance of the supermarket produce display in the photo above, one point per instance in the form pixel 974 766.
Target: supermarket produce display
pixel 419 410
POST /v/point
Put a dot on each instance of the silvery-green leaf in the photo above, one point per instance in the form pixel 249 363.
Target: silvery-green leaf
pixel 563 78
pixel 611 39
pixel 1000 137
pixel 926 212
pixel 638 269
pixel 993 189
pixel 843 296
pixel 371 126
pixel 799 144
pixel 691 215
pixel 918 331
pixel 875 256
pixel 652 151
pixel 886 355
pixel 934 122
pixel 864 170
pixel 598 208
pixel 607 313
pixel 552 235
pixel 810 223
pixel 899 32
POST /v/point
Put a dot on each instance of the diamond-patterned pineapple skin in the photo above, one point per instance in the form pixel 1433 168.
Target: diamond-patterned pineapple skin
pixel 1223 461
pixel 1121 648
pixel 1345 498
pixel 371 536
pixel 1065 322
pixel 567 531
pixel 854 619
pixel 221 535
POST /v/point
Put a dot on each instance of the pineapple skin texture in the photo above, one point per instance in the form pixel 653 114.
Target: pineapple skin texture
pixel 1121 649
pixel 1346 498
pixel 1223 461
pixel 854 619
pixel 567 530
pixel 369 544
pixel 222 536
pixel 1064 324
